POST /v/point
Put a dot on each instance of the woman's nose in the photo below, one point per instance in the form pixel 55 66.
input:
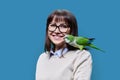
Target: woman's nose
pixel 57 30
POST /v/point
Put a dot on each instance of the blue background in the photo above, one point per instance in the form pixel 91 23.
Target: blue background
pixel 22 34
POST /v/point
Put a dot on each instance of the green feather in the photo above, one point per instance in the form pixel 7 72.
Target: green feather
pixel 80 42
pixel 93 46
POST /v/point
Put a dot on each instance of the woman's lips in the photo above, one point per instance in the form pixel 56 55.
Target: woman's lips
pixel 57 37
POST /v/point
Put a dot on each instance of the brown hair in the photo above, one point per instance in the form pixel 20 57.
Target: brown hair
pixel 66 16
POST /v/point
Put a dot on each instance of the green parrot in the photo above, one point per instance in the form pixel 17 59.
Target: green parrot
pixel 80 42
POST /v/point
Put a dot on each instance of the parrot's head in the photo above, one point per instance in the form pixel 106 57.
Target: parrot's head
pixel 69 38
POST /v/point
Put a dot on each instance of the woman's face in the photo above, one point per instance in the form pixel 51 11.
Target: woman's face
pixel 56 33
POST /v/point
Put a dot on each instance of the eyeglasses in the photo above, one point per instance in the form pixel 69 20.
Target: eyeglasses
pixel 62 27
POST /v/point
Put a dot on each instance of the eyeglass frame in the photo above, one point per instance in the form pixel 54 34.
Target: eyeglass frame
pixel 58 27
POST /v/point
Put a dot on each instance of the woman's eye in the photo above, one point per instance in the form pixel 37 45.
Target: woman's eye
pixel 63 26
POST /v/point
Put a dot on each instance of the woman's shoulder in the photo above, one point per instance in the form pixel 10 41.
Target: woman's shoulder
pixel 80 52
pixel 44 55
pixel 82 57
pixel 83 52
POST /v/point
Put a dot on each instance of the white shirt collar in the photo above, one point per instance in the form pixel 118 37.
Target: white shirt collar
pixel 59 52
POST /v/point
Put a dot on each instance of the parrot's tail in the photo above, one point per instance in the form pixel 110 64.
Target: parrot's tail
pixel 93 46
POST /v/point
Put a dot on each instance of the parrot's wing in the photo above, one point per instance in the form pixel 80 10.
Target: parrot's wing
pixel 91 40
pixel 81 40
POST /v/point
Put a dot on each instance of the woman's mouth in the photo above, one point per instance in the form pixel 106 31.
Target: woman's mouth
pixel 57 37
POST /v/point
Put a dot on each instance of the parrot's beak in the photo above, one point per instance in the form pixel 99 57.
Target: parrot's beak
pixel 66 39
pixel 65 36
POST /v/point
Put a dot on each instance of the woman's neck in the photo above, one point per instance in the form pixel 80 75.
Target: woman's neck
pixel 59 47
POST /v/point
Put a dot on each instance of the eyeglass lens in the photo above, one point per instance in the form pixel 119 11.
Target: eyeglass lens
pixel 61 27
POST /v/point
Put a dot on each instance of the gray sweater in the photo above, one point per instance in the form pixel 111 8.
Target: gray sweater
pixel 74 65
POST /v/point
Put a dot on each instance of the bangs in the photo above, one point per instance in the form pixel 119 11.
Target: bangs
pixel 58 18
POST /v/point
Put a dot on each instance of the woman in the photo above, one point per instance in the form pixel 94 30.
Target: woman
pixel 61 61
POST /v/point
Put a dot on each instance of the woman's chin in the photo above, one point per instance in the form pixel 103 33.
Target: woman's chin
pixel 58 43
